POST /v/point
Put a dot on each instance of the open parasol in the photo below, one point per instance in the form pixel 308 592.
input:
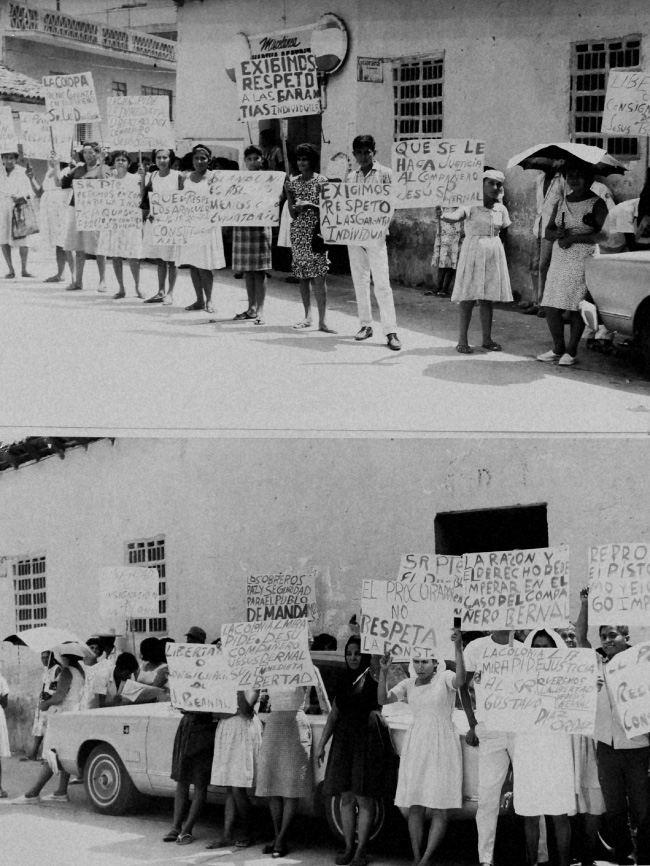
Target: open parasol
pixel 42 638
pixel 543 156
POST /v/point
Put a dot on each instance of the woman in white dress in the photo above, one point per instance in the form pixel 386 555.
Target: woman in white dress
pixel 53 217
pixel 5 751
pixel 19 187
pixel 122 245
pixel 164 180
pixel 431 763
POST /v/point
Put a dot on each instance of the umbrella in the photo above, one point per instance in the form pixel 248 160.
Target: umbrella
pixel 42 638
pixel 547 155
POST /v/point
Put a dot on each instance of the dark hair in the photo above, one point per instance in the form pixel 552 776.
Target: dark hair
pixel 13 153
pixel 251 149
pixel 114 155
pixel 311 153
pixel 127 662
pixel 364 141
pixel 621 629
pixel 269 135
pixel 588 172
pixel 221 163
pixel 74 662
pixel 156 151
pixel 201 147
pixel 153 650
pixel 541 632
pixel 324 642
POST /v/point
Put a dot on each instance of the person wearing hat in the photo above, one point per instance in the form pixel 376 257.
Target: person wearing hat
pixel 66 699
pixel 196 635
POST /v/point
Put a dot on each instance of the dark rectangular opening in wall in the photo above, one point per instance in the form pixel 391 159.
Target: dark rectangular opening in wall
pixel 521 527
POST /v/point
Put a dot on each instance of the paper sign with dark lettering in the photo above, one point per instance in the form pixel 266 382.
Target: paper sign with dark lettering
pixel 139 122
pixel 628 675
pixel 107 203
pixel 268 654
pixel 246 198
pixel 282 86
pixel 180 217
pixel 126 592
pixel 199 679
pixel 619 584
pixel 437 171
pixel 436 568
pixel 71 97
pixel 356 214
pixel 529 689
pixel 8 138
pixel 38 134
pixel 627 103
pixel 515 589
pixel 285 595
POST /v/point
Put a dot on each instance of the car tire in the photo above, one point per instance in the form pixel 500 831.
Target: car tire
pixel 333 817
pixel 107 782
pixel 644 343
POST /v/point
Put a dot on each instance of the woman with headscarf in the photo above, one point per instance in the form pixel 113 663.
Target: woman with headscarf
pixel 482 273
pixel 359 767
pixel 431 763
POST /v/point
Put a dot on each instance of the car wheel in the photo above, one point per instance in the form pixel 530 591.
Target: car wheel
pixel 108 783
pixel 644 343
pixel 333 817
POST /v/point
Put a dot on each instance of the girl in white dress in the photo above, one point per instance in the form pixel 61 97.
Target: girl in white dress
pixel 482 273
pixel 54 217
pixel 5 751
pixel 431 764
pixel 165 180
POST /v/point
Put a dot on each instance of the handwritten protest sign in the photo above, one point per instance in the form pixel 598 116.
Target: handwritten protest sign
pixel 438 171
pixel 627 103
pixel 199 679
pixel 71 97
pixel 527 689
pixel 285 595
pixel 38 136
pixel 619 584
pixel 282 86
pixel 139 122
pixel 8 139
pixel 267 654
pixel 514 589
pixel 107 203
pixel 357 214
pixel 628 674
pixel 250 198
pixel 435 568
pixel 180 217
pixel 128 592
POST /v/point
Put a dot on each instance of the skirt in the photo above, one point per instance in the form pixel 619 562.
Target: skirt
pixel 482 273
pixel 285 758
pixel 251 248
pixel 207 256
pixel 193 748
pixel 79 242
pixel 236 752
pixel 120 243
pixel 361 758
pixel 53 207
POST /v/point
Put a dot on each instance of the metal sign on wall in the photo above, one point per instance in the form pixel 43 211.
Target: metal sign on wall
pixel 370 69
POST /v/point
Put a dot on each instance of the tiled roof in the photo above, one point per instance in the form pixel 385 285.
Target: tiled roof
pixel 16 87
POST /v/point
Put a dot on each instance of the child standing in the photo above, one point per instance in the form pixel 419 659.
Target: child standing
pixel 5 751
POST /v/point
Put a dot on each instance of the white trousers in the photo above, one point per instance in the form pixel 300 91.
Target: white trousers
pixel 365 261
pixel 495 752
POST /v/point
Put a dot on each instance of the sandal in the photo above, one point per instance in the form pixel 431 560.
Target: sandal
pixel 73 287
pixel 247 314
pixel 10 276
pixel 219 842
pixel 464 349
pixel 55 279
pixel 119 295
pixel 197 305
pixel 209 308
pixel 306 323
pixel 360 861
pixel 491 347
pixel 269 849
pixel 28 275
pixel 185 839
pixel 243 842
pixel 327 330
pixel 172 836
pixel 168 300
pixel 282 851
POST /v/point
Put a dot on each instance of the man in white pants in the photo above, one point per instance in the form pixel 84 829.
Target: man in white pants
pixel 365 261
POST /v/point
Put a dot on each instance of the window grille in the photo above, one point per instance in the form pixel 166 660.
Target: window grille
pixel 119 88
pixel 417 96
pixel 150 552
pixel 30 591
pixel 160 91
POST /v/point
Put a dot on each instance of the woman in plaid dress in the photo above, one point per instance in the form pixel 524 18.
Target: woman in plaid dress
pixel 251 252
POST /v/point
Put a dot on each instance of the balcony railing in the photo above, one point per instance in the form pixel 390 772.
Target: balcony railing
pixel 22 17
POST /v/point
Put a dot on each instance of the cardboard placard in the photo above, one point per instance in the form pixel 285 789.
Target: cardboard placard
pixel 437 171
pixel 627 103
pixel 37 135
pixel 285 595
pixel 71 97
pixel 269 654
pixel 356 214
pixel 180 217
pixel 199 679
pixel 139 122
pixel 249 198
pixel 8 138
pixel 628 675
pixel 128 592
pixel 513 589
pixel 107 203
pixel 619 584
pixel 528 689
pixel 435 568
pixel 285 85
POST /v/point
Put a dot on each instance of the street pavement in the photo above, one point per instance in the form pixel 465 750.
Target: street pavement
pixel 81 360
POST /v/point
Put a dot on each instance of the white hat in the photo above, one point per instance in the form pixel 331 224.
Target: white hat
pixel 70 649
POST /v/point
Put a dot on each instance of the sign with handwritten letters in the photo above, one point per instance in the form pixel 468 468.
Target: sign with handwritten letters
pixel 268 654
pixel 528 689
pixel 8 138
pixel 356 214
pixel 249 198
pixel 127 592
pixel 440 570
pixel 181 217
pixel 628 676
pixel 40 137
pixel 437 171
pixel 284 595
pixel 71 97
pixel 199 679
pixel 513 589
pixel 285 85
pixel 106 203
pixel 139 122
pixel 619 584
pixel 627 103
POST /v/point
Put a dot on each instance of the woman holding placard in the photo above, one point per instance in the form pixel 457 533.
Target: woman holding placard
pixel 54 216
pixel 164 179
pixel 431 764
pixel 122 245
pixel 482 274
pixel 205 256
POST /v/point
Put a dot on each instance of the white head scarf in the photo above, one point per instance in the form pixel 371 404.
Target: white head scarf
pixel 555 637
pixel 493 174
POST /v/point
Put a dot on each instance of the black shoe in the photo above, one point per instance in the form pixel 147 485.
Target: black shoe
pixel 364 334
pixel 393 342
pixel 156 299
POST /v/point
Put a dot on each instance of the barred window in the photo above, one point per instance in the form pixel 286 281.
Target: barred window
pixel 150 552
pixel 85 132
pixel 591 61
pixel 417 98
pixel 119 88
pixel 30 592
pixel 160 91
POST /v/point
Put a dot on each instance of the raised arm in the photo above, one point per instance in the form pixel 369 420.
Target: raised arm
pixel 582 623
pixel 382 695
pixel 460 675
